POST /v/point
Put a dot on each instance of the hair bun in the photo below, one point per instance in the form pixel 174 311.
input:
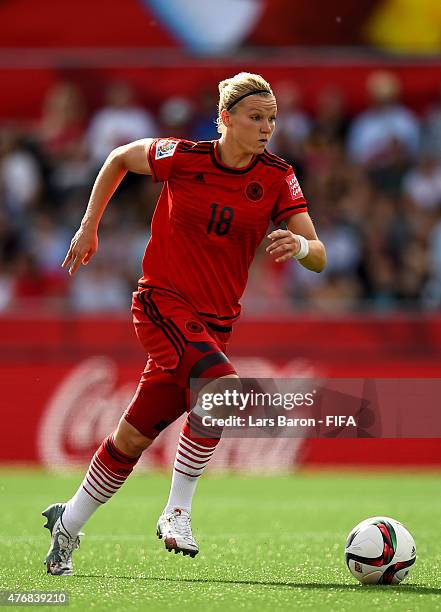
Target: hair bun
pixel 224 84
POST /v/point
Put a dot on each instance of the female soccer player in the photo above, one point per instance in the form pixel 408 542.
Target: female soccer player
pixel 216 204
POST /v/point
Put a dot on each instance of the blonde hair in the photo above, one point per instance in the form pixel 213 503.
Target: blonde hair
pixel 234 88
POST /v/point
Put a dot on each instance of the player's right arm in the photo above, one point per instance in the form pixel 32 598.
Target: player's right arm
pixel 132 157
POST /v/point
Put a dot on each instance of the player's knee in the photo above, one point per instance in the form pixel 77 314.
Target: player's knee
pixel 221 394
pixel 129 440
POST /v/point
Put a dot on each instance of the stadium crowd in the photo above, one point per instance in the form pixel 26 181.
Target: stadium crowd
pixel 373 183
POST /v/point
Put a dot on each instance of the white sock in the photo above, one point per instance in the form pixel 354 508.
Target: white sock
pixel 78 511
pixel 190 462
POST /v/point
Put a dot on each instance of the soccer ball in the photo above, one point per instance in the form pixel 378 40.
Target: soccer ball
pixel 380 550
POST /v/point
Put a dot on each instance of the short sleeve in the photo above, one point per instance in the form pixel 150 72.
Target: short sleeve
pixel 162 158
pixel 290 201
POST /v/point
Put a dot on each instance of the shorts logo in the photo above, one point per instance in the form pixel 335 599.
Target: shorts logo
pixel 254 191
pixel 294 187
pixel 165 148
pixel 194 327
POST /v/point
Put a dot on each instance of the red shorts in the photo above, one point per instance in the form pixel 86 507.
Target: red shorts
pixel 181 346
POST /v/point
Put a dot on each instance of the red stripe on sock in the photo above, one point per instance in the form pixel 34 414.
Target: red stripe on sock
pixel 191 458
pixel 186 465
pixel 202 449
pixel 185 473
pixel 102 470
pixel 113 460
pixel 116 477
pixel 192 452
pixel 105 476
pixel 196 448
pixel 93 496
pixel 95 489
pixel 94 478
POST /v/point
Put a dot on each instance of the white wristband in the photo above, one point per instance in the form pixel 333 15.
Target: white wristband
pixel 304 248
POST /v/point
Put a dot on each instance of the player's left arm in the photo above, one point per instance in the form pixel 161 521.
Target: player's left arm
pixel 285 243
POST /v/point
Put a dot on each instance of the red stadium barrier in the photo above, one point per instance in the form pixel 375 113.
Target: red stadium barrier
pixel 66 382
pixel 97 45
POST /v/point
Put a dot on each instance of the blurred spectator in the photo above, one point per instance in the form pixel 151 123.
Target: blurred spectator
pixel 6 287
pixel 431 145
pixel 328 172
pixel 119 122
pixel 423 183
pixel 343 244
pixel 378 210
pixel 48 242
pixel 175 115
pixel 373 135
pixel 20 177
pixel 204 121
pixel 99 289
pixel 61 137
pixel 293 124
pixel 63 121
pixel 388 175
pixel 338 294
pixel 432 289
pixel 11 239
pixel 29 280
pixel 380 286
pixel 331 121
pixel 413 273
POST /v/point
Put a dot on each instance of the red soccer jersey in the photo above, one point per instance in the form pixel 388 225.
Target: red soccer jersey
pixel 210 219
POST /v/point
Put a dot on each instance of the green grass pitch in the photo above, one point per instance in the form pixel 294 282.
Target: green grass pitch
pixel 267 543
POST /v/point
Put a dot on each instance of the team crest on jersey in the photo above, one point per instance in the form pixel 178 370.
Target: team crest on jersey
pixel 294 187
pixel 165 148
pixel 254 191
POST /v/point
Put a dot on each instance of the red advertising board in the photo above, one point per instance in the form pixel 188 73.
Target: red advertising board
pixel 65 383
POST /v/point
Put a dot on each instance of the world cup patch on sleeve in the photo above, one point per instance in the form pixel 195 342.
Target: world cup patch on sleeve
pixel 165 148
pixel 294 187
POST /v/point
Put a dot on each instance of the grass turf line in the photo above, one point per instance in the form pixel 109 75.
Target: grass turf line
pixel 267 543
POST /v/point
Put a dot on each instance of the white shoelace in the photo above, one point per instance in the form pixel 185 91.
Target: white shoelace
pixel 181 521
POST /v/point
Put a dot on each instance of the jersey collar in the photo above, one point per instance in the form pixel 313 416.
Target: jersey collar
pixel 219 164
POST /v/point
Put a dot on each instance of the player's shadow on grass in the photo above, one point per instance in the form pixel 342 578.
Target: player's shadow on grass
pixel 408 588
